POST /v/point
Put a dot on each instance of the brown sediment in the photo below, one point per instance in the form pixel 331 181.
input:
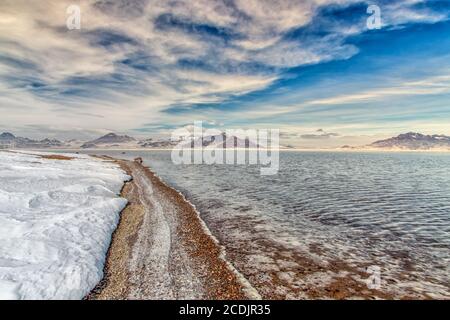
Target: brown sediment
pixel 124 278
pixel 49 156
pixel 292 274
pixel 306 276
pixel 55 157
pixel 221 282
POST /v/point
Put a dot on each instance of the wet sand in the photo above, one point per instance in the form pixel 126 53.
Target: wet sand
pixel 162 250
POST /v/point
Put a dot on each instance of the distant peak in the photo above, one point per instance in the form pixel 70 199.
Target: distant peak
pixel 110 138
pixel 414 141
pixel 411 135
pixel 110 135
pixel 7 135
pixel 115 135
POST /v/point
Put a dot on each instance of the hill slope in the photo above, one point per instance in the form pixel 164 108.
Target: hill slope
pixel 414 141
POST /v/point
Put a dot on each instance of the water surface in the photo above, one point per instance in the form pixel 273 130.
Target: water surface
pixel 315 228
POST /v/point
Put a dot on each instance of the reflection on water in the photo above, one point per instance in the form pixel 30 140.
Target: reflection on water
pixel 326 216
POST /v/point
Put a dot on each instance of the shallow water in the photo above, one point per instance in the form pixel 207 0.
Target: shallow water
pixel 341 211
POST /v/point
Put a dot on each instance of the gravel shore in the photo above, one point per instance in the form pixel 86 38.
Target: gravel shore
pixel 162 250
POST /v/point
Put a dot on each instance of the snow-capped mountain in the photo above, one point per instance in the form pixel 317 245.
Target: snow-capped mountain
pixel 152 143
pixel 8 140
pixel 414 141
pixel 221 141
pixel 110 140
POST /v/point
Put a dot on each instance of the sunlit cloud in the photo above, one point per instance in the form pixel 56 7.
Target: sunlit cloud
pixel 427 86
pixel 133 62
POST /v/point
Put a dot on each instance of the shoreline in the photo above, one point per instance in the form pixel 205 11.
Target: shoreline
pixel 160 247
pixel 220 278
pixel 338 150
pixel 193 263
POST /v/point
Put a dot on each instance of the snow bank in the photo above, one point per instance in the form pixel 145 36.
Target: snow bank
pixel 56 221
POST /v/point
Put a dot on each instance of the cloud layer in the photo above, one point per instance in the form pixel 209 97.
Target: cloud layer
pixel 135 61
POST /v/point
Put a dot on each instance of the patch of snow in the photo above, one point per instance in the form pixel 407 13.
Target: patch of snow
pixel 56 222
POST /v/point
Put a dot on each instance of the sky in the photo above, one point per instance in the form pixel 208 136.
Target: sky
pixel 312 69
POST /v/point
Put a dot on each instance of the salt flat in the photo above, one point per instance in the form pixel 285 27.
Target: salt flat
pixel 56 222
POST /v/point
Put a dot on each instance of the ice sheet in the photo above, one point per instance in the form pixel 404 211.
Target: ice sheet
pixel 56 222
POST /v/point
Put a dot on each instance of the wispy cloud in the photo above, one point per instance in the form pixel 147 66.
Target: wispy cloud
pixel 427 86
pixel 134 60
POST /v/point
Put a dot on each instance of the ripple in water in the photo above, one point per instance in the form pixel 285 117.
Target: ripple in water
pixel 312 230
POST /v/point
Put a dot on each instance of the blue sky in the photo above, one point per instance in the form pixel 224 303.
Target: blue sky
pixel 310 68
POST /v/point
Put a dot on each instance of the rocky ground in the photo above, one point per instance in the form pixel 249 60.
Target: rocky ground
pixel 161 249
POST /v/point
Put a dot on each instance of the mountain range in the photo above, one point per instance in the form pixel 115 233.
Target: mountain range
pixel 222 141
pixel 406 141
pixel 409 142
pixel 107 141
pixel 8 140
pixel 414 141
pixel 115 141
